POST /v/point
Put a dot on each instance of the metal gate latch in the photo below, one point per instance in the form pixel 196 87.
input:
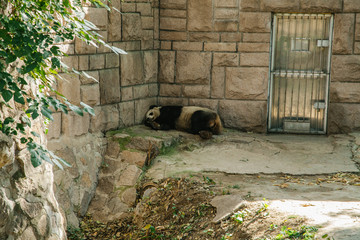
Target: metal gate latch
pixel 319 105
pixel 323 43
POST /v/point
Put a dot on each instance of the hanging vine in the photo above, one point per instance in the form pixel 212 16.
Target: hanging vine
pixel 30 34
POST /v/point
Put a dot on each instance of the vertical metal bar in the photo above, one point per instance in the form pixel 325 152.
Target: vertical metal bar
pixel 273 52
pixel 286 79
pixel 293 70
pixel 300 67
pixel 321 88
pixel 306 69
pixel 279 81
pixel 331 22
pixel 313 71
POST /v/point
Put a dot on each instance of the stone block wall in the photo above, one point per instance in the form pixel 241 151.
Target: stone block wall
pixel 125 87
pixel 215 53
pixel 211 53
pixel 344 110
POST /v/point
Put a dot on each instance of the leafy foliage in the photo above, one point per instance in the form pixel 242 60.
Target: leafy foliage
pixel 30 34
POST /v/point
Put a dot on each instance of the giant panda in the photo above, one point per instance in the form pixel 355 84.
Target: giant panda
pixel 192 119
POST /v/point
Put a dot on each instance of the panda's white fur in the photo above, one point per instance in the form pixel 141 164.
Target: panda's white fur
pixel 183 123
pixel 193 119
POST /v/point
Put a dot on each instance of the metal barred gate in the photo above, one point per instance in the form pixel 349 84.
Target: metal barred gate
pixel 300 73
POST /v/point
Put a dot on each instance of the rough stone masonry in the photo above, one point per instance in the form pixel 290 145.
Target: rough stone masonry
pixel 212 53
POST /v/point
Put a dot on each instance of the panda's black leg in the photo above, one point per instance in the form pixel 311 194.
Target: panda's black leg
pixel 154 125
pixel 200 124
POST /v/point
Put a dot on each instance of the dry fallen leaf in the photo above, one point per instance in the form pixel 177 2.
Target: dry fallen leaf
pixel 307 205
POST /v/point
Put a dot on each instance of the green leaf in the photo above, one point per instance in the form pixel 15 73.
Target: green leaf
pixel 76 109
pixel 35 134
pixel 18 97
pixel 8 120
pixel 6 94
pixel 26 120
pixel 2 84
pixel 35 159
pixel 47 113
pixel 47 54
pixel 55 62
pixel 34 115
pixel 29 68
pixel 55 50
pixel 87 108
pixel 10 58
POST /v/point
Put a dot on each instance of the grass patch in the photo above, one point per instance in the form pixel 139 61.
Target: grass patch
pixel 123 142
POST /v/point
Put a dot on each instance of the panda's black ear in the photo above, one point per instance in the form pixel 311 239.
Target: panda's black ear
pixel 153 106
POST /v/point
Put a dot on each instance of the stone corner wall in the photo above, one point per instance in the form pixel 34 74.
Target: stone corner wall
pixel 28 207
pixel 125 88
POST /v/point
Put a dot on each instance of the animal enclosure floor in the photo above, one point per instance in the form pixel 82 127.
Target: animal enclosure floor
pixel 316 177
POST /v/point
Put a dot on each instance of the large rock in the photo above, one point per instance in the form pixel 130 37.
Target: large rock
pixel 254 59
pixel 129 176
pixel 339 124
pixel 106 118
pixel 132 69
pixel 343 34
pixel 351 6
pixel 109 86
pixel 151 66
pixel 134 158
pixel 226 205
pixel 246 83
pixel 200 14
pixel 131 26
pixel 170 90
pixel 69 85
pixel 98 16
pixel 74 124
pixel 256 22
pixel 345 68
pixel 244 115
pixel 193 67
pixel 279 5
pixel 90 94
pixel 174 24
pixel 127 114
pixel 7 150
pixel 198 91
pixel 166 66
pixel 217 82
pixel 114 31
pixel 76 186
pixel 343 92
pixel 321 5
pixel 173 4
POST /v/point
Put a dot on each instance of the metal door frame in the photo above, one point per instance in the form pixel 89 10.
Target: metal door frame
pixel 271 69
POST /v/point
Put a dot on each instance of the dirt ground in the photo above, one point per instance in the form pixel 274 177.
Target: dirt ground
pixel 181 208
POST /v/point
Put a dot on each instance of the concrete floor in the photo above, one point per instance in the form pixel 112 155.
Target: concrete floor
pixel 257 164
pixel 249 153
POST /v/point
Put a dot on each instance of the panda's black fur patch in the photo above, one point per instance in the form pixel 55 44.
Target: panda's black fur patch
pixel 195 120
pixel 168 116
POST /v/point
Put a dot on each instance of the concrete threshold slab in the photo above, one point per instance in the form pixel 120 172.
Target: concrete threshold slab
pixel 248 153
